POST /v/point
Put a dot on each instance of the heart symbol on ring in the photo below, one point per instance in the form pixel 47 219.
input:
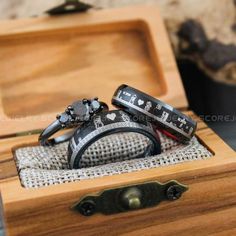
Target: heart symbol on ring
pixel 140 102
pixel 111 116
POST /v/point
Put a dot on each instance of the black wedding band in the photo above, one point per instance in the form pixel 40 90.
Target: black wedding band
pixel 104 124
pixel 74 115
pixel 143 106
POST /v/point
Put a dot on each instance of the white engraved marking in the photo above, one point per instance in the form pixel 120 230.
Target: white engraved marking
pixel 151 115
pixel 126 94
pixel 158 107
pixel 148 106
pixel 182 121
pixel 190 131
pixel 119 93
pixel 140 102
pixel 124 116
pixel 164 116
pixel 98 122
pixel 133 98
pixel 111 116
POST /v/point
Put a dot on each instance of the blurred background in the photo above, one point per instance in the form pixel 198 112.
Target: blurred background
pixel 203 37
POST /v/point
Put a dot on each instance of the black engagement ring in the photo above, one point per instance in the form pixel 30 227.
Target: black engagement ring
pixel 74 115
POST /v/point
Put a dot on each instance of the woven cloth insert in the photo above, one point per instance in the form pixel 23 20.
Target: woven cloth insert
pixel 42 166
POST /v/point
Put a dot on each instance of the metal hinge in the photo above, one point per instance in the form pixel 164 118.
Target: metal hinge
pixel 70 6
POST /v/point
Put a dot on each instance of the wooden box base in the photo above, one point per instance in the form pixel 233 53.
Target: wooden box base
pixel 207 207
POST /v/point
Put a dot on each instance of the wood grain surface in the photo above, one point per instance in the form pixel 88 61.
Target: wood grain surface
pixel 46 63
pixel 71 60
pixel 208 207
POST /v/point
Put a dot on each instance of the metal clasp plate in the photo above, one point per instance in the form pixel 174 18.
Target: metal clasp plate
pixel 130 198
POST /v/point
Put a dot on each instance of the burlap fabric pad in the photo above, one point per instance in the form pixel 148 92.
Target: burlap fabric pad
pixel 120 153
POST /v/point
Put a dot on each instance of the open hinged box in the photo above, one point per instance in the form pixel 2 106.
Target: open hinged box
pixel 45 64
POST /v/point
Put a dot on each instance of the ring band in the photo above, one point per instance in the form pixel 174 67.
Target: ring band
pixel 163 115
pixel 104 124
pixel 74 115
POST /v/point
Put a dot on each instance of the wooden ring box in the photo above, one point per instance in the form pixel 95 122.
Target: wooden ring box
pixel 45 63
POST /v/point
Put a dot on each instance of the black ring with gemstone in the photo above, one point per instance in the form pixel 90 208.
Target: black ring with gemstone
pixel 142 106
pixel 74 115
pixel 104 124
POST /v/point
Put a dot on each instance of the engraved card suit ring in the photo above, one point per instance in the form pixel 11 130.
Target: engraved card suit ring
pixel 142 106
pixel 104 124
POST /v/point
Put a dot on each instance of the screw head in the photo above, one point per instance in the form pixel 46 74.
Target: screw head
pixel 174 192
pixel 87 208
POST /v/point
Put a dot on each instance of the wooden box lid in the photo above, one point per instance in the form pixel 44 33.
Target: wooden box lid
pixel 47 63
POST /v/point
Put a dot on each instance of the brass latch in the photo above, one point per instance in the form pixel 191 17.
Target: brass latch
pixel 130 198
